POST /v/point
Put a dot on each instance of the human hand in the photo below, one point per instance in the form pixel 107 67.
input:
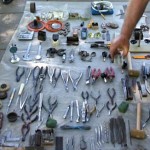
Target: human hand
pixel 119 44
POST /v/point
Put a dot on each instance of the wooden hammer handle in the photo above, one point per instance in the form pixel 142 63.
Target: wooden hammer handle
pixel 138 122
pixel 129 61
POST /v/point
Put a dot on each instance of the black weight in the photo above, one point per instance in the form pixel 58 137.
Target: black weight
pixel 3 95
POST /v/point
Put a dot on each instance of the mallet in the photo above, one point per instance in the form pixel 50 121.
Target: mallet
pixel 131 72
pixel 138 133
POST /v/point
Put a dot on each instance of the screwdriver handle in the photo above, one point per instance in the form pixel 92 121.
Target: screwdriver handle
pixel 21 89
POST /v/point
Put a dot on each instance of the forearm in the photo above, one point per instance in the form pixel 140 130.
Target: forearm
pixel 133 14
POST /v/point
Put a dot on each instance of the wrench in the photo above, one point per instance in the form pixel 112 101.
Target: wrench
pixel 71 113
pixel 38 56
pixel 77 105
pixel 26 56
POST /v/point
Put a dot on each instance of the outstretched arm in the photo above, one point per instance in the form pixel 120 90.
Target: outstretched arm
pixel 134 12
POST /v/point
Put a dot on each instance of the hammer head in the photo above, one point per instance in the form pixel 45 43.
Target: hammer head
pixel 138 134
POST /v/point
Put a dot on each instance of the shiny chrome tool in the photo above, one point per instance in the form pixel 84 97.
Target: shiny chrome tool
pixel 51 72
pixel 88 75
pixel 65 78
pixel 38 56
pixel 66 112
pixel 71 112
pixel 26 56
pixel 76 80
pixel 40 106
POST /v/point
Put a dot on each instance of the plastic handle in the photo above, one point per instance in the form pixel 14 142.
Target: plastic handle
pixel 21 89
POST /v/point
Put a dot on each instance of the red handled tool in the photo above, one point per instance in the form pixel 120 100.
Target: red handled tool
pixel 95 74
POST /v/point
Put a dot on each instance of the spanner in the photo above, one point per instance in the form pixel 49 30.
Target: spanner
pixel 26 56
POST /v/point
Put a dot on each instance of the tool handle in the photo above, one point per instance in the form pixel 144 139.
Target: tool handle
pixel 129 61
pixel 12 96
pixel 1 120
pixel 21 89
pixel 138 123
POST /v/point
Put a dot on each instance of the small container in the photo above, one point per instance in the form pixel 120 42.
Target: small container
pixel 84 33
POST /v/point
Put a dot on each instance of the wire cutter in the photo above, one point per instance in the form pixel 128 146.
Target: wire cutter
pixel 42 75
pixel 35 74
pixel 95 74
pixel 111 96
pixel 19 73
pixel 110 73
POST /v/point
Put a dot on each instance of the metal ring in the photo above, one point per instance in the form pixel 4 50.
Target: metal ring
pixel 4 87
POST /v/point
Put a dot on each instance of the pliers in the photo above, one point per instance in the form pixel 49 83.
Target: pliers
pixel 19 73
pixel 110 73
pixel 114 105
pixel 95 74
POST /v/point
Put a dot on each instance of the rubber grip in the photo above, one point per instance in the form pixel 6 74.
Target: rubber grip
pixel 21 89
pixel 138 123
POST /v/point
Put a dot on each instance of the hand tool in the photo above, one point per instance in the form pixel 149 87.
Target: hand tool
pixel 131 72
pixel 88 75
pixel 112 135
pixel 66 112
pixel 128 87
pixel 141 56
pixel 1 120
pixel 83 144
pixel 19 73
pixel 40 106
pixel 99 111
pixel 20 93
pixel 143 90
pixel 26 56
pixel 71 112
pixel 23 103
pixel 76 80
pixel 138 133
pixel 56 76
pixel 35 74
pixel 71 56
pixel 30 113
pixel 95 74
pixel 78 127
pixel 129 132
pixel 10 100
pixel 134 85
pixel 110 73
pixel 64 58
pixel 42 75
pixel 38 56
pixel 114 105
pixel 78 113
pixel 14 57
pixel 96 99
pixel 26 126
pixel 97 42
pixel 65 78
pixel 145 122
pixel 51 72
pixel 104 55
pixel 123 81
pixel 145 77
pixel 104 76
pixel 98 142
pixel 140 89
pixel 105 132
pixel 108 36
pixel 28 72
pixel 51 123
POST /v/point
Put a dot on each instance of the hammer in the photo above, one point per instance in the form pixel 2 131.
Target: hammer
pixel 138 133
pixel 131 72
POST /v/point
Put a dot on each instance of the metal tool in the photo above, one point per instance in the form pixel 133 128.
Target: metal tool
pixel 56 76
pixel 97 138
pixel 71 56
pixel 114 105
pixel 35 74
pixel 11 99
pixel 65 78
pixel 78 113
pixel 75 127
pixel 75 81
pixel 42 75
pixel 147 120
pixel 26 56
pixel 96 99
pixel 38 56
pixel 20 93
pixel 23 103
pixel 88 75
pixel 51 72
pixel 40 106
pixel 26 126
pixel 98 111
pixel 28 72
pixel 19 73
pixel 66 112
pixel 71 112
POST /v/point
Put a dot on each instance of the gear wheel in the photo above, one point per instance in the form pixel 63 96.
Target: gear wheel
pixel 7 1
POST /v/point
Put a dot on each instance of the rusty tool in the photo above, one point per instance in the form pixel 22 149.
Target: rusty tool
pixel 131 72
pixel 138 133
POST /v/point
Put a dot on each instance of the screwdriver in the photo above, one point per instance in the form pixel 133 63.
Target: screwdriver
pixel 10 100
pixel 80 127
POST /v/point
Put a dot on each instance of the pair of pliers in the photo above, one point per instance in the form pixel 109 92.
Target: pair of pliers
pixel 110 73
pixel 95 74
pixel 19 73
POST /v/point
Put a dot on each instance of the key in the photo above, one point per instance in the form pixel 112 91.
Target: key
pixel 83 144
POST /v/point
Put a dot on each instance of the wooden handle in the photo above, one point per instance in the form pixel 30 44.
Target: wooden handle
pixel 138 122
pixel 129 61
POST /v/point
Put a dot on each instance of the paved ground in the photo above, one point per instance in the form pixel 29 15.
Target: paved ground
pixel 10 16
